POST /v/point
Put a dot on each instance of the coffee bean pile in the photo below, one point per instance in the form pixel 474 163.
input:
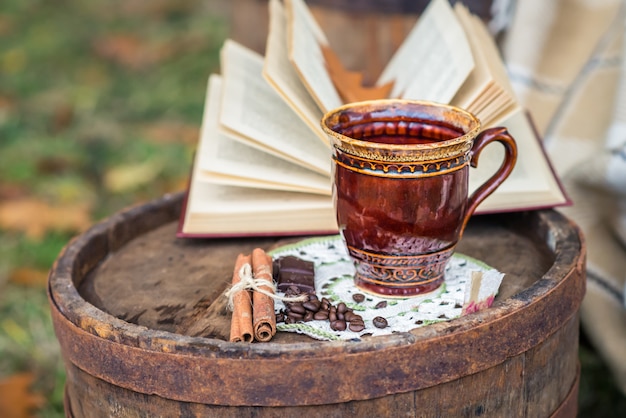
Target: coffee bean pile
pixel 339 316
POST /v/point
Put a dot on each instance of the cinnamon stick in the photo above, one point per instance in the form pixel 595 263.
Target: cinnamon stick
pixel 264 318
pixel 241 322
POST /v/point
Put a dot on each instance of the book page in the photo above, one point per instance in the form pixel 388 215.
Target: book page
pixel 226 161
pixel 280 73
pixel 489 75
pixel 233 201
pixel 479 80
pixel 256 113
pixel 498 73
pixel 305 53
pixel 434 60
pixel 218 210
pixel 214 210
pixel 532 182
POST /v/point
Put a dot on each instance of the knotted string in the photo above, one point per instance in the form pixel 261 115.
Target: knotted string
pixel 248 282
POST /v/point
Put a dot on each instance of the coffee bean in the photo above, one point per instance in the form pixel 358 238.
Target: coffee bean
pixel 356 317
pixel 332 315
pixel 297 308
pixel 381 304
pixel 312 306
pixel 380 322
pixel 358 297
pixel 357 322
pixel 340 317
pixel 320 315
pixel 356 326
pixel 338 325
pixel 295 316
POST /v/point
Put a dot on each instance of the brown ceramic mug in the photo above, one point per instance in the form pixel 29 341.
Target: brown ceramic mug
pixel 400 187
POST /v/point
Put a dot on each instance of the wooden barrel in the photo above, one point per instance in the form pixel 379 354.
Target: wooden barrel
pixel 126 294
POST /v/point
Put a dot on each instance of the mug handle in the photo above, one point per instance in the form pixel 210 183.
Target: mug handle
pixel 510 157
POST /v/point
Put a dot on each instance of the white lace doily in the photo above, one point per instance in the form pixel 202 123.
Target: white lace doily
pixel 334 274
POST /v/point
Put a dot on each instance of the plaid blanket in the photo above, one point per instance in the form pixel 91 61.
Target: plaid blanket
pixel 566 60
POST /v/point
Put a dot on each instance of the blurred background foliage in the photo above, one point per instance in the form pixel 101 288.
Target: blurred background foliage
pixel 100 108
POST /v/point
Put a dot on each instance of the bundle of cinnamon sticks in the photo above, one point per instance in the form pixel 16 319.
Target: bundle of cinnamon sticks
pixel 253 311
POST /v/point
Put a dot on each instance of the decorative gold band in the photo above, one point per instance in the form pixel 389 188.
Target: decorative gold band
pixel 400 169
pixel 400 270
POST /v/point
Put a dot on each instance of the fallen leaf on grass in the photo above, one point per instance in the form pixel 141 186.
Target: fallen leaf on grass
pixel 14 60
pixel 172 132
pixel 16 398
pixel 6 103
pixel 7 25
pixel 12 191
pixel 35 217
pixel 177 184
pixel 62 118
pixel 27 276
pixel 131 51
pixel 128 177
pixel 15 332
pixel 53 165
pixel 126 50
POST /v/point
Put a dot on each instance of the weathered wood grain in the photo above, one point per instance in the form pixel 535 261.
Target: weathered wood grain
pixel 129 301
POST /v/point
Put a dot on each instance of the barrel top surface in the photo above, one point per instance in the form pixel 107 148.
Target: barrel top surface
pixel 129 282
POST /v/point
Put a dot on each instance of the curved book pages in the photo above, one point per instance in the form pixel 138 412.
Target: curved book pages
pixel 263 163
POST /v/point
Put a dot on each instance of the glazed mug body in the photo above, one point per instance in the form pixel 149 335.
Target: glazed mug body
pixel 401 174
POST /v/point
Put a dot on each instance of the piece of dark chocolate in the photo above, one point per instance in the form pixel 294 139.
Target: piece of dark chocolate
pixel 293 271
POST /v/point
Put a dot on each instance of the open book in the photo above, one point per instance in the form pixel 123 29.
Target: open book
pixel 263 163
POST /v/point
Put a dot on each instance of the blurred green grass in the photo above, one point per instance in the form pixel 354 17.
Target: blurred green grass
pixel 89 92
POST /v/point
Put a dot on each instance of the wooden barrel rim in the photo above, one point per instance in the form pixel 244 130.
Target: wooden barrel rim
pixel 189 368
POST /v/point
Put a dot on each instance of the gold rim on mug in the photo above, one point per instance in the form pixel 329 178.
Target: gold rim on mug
pixel 441 150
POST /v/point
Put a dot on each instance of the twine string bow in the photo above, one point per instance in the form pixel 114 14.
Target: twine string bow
pixel 247 281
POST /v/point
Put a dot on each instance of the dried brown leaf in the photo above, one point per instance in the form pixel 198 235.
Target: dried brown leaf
pixel 171 132
pixel 12 191
pixel 6 103
pixel 53 165
pixel 62 118
pixel 27 276
pixel 130 51
pixel 7 25
pixel 16 398
pixel 126 50
pixel 35 217
pixel 124 178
